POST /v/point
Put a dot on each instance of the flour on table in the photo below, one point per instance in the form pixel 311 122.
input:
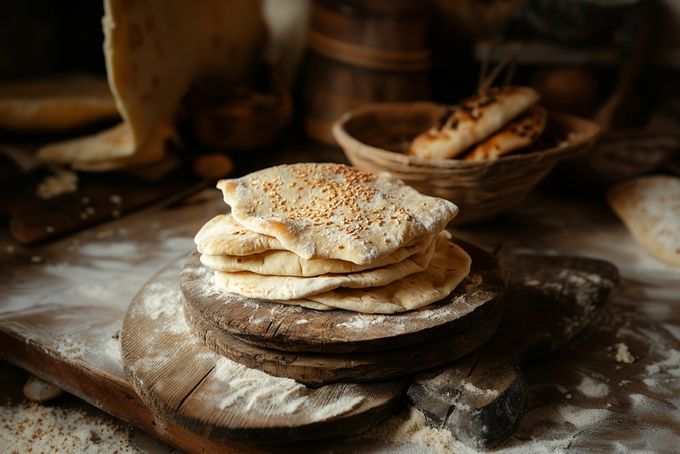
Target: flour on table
pixel 251 390
pixel 591 388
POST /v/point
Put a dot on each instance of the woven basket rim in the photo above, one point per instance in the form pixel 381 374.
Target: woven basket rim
pixel 590 131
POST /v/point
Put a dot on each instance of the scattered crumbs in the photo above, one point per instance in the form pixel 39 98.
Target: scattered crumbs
pixel 49 229
pixel 10 249
pixel 116 199
pixel 32 427
pixel 83 215
pixel 623 354
pixel 61 182
pixel 115 213
pixel 85 200
pixel 36 259
pixel 301 322
pixel 90 211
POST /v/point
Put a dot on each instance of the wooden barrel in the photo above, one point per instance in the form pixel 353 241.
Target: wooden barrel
pixel 362 51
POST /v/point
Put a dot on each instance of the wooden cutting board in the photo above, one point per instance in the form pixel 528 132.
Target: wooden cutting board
pixel 187 383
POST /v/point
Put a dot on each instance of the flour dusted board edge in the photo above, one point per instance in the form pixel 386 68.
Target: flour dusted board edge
pixel 193 387
pixel 296 329
pixel 30 340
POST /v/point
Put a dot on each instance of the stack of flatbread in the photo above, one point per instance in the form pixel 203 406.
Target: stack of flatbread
pixel 330 236
pixel 484 127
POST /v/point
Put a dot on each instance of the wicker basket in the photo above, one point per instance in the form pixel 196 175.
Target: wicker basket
pixel 375 137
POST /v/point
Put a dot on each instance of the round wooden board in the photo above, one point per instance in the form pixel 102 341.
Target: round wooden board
pixel 188 384
pixel 323 368
pixel 297 329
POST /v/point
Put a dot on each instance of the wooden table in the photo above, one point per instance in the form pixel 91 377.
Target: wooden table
pixel 581 399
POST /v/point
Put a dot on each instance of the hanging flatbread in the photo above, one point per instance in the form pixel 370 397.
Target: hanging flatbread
pixel 650 208
pixel 449 266
pixel 156 49
pixel 519 133
pixel 334 211
pixel 285 263
pixel 56 104
pixel 472 121
pixel 288 287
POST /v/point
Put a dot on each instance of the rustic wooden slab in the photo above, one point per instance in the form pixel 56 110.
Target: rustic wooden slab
pixel 296 329
pixel 550 299
pixel 191 386
pixel 322 368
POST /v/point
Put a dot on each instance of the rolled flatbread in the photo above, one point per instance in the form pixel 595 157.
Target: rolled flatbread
pixel 519 133
pixel 472 121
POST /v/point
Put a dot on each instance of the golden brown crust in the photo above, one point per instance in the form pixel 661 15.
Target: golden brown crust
pixel 519 133
pixel 473 120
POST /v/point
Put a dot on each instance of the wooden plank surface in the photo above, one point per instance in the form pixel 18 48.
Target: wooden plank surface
pixel 104 268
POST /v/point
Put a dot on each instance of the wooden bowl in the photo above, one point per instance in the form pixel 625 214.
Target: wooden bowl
pixel 376 138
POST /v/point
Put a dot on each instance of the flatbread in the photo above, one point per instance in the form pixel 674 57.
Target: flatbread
pixel 285 263
pixel 519 133
pixel 449 266
pixel 222 235
pixel 56 104
pixel 156 49
pixel 650 208
pixel 288 287
pixel 334 211
pixel 472 121
pixel 110 149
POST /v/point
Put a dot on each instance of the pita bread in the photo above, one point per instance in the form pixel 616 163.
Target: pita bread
pixel 449 266
pixel 222 235
pixel 334 211
pixel 288 287
pixel 156 49
pixel 519 133
pixel 650 208
pixel 57 104
pixel 110 149
pixel 473 120
pixel 285 263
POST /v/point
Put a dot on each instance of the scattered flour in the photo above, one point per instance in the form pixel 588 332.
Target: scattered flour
pixel 591 388
pixel 254 391
pixel 410 426
pixel 485 393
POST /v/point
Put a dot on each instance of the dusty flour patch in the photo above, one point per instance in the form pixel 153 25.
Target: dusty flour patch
pixel 591 388
pixel 36 428
pixel 410 426
pixel 248 390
